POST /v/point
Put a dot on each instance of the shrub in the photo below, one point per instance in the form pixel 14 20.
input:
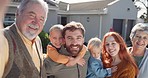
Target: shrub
pixel 44 38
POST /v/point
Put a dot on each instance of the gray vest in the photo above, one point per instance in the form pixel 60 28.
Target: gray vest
pixel 20 63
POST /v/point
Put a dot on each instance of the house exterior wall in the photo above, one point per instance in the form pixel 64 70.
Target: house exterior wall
pixel 51 20
pixel 106 24
pixel 90 22
pixel 120 10
pixel 124 10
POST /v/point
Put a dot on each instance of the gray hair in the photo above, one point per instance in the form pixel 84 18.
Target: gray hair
pixel 138 27
pixel 56 27
pixel 24 3
pixel 94 42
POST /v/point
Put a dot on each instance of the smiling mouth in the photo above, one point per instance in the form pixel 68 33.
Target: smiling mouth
pixel 74 47
pixel 34 27
pixel 140 44
pixel 111 52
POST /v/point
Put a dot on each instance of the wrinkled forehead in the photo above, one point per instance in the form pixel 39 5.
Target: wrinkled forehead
pixel 55 31
pixel 142 31
pixel 74 33
pixel 35 5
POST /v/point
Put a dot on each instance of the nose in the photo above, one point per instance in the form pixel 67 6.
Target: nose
pixel 35 21
pixel 58 40
pixel 74 41
pixel 110 46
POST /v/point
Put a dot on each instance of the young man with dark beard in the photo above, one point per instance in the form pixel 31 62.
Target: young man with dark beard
pixel 73 34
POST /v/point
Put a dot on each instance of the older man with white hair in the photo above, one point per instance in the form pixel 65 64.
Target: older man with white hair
pixel 21 49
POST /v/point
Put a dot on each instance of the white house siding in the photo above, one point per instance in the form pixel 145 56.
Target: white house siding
pixel 90 22
pixel 51 20
pixel 123 9
pixel 120 10
pixel 106 24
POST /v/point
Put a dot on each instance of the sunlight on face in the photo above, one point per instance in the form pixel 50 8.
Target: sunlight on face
pixel 56 38
pixel 112 47
pixel 74 41
pixel 31 20
pixel 140 40
pixel 95 52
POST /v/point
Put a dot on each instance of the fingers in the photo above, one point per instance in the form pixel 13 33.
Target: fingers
pixel 114 69
pixel 82 62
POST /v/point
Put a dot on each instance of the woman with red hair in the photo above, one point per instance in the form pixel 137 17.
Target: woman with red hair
pixel 115 53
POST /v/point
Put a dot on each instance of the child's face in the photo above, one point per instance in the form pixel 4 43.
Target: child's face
pixel 95 52
pixel 56 38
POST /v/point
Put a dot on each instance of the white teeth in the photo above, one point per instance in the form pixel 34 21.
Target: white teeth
pixel 140 45
pixel 111 50
pixel 33 26
pixel 74 47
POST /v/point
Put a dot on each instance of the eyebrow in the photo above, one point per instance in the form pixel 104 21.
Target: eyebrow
pixel 31 12
pixel 69 36
pixel 76 36
pixel 79 36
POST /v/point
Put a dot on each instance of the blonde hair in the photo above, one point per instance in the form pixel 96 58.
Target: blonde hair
pixel 94 42
pixel 56 27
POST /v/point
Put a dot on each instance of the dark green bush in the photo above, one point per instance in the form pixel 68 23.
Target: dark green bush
pixel 45 40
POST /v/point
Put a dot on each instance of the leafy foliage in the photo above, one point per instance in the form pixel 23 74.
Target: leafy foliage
pixel 45 40
pixel 144 17
pixel 145 6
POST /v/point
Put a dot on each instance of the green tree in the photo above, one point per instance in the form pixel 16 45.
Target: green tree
pixel 139 4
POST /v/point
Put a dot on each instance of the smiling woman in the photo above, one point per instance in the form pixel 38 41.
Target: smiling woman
pixel 115 53
pixel 139 39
